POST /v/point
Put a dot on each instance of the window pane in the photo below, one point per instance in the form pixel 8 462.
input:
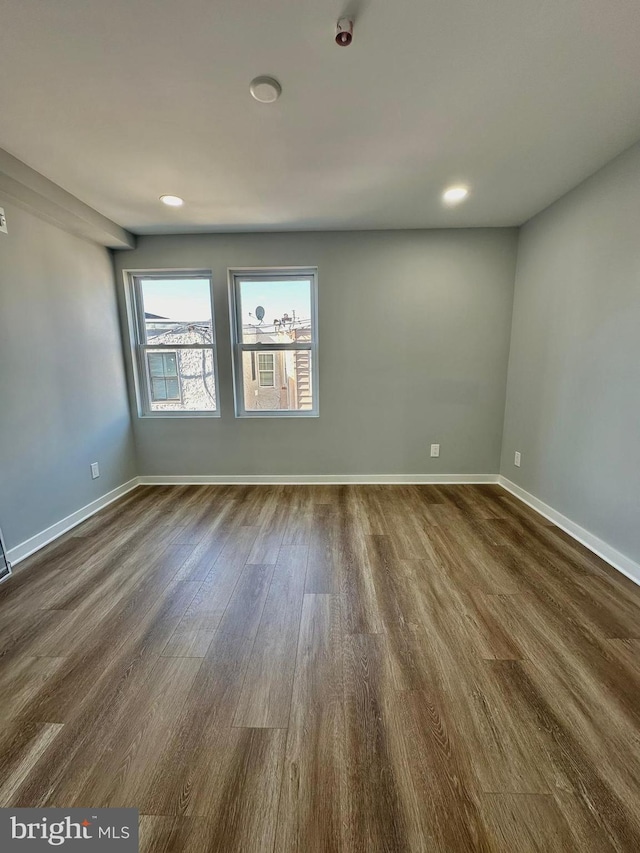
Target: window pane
pixel 192 389
pixel 291 383
pixel 173 389
pixel 177 311
pixel 158 389
pixel 284 306
pixel 170 364
pixel 156 365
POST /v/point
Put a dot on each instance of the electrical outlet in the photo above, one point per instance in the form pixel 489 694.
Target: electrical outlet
pixel 516 459
pixel 3 221
pixel 435 450
pixel 95 470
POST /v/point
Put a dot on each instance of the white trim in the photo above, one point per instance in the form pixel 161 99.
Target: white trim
pixel 35 543
pixel 599 547
pixel 140 345
pixel 612 556
pixel 238 347
pixel 314 479
pixel 6 560
pixel 609 554
pixel 30 546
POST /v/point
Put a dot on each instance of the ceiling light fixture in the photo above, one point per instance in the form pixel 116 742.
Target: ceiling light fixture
pixel 172 200
pixel 454 195
pixel 265 89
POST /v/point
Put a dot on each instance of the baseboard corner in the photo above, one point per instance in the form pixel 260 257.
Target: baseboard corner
pixel 25 549
pixel 619 561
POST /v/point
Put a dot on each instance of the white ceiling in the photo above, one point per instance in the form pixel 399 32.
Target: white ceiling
pixel 120 101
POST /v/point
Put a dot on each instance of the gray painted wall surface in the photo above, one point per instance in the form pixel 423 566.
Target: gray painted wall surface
pixel 573 400
pixel 413 349
pixel 63 399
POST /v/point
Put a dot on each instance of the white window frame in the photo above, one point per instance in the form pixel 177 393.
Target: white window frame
pixel 237 275
pixel 261 370
pixel 139 345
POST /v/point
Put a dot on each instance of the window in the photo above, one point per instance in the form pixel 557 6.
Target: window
pixel 171 317
pixel 275 342
pixel 266 369
pixel 164 382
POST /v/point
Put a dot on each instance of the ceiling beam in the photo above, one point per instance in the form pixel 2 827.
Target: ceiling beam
pixel 29 189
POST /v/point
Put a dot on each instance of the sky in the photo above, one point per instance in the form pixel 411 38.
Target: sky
pixel 183 300
pixel 189 299
pixel 277 298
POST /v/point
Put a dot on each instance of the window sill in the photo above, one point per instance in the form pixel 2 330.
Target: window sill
pixel 281 415
pixel 170 416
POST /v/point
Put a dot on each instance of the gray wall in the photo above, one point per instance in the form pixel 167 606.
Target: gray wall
pixel 573 400
pixel 63 401
pixel 413 349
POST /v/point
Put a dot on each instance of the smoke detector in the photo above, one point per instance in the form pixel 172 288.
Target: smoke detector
pixel 344 32
pixel 265 89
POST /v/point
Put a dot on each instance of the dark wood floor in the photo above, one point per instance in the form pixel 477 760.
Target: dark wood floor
pixel 354 668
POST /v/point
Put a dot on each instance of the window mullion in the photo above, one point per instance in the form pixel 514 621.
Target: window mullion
pixel 262 347
pixel 161 347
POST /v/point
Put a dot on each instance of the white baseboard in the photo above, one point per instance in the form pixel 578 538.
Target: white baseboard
pixel 29 546
pixel 609 554
pixel 315 479
pixel 612 556
pixel 20 552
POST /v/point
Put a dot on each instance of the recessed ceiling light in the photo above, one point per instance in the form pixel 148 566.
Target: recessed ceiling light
pixel 454 195
pixel 172 200
pixel 265 89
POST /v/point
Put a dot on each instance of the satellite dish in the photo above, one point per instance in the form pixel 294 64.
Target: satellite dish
pixel 260 313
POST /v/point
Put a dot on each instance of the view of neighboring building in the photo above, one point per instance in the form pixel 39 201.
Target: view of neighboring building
pixel 184 379
pixel 181 379
pixel 276 380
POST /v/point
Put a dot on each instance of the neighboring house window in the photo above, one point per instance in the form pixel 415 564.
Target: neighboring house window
pixel 171 318
pixel 266 369
pixel 164 382
pixel 275 342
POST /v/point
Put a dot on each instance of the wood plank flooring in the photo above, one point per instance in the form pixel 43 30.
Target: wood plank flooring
pixel 328 668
